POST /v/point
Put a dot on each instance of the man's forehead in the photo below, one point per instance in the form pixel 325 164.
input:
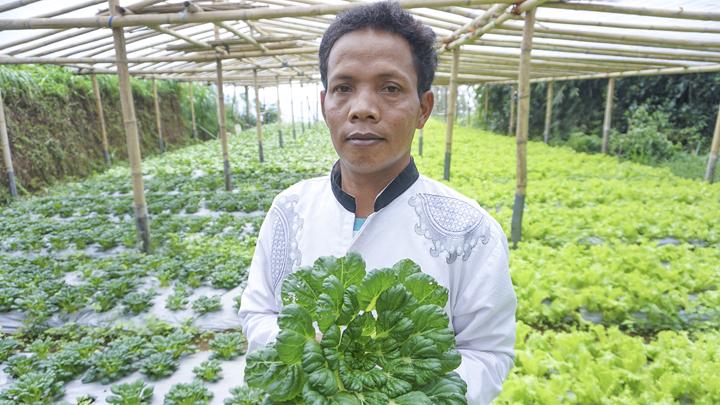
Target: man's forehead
pixel 386 51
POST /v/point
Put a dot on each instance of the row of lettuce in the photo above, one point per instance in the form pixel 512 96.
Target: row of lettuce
pixel 616 275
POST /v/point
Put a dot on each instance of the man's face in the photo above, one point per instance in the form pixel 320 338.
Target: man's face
pixel 371 105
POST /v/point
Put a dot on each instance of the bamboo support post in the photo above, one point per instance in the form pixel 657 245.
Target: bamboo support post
pixel 420 142
pixel 451 107
pixel 258 118
pixel 7 156
pixel 222 125
pixel 302 113
pixel 192 111
pixel 279 113
pixel 468 110
pixel 158 118
pixel 511 121
pixel 607 121
pixel 131 132
pixel 713 157
pixel 101 119
pixel 486 105
pixel 247 102
pixel 292 112
pixel 548 112
pixel 521 136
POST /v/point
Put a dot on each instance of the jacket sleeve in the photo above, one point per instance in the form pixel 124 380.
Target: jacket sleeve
pixel 484 320
pixel 258 306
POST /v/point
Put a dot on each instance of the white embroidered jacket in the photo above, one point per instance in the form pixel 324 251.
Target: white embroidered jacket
pixel 446 233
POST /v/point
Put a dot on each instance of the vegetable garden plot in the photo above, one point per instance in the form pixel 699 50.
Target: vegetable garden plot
pixel 83 309
pixel 617 277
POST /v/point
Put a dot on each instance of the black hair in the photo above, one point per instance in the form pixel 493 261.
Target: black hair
pixel 390 17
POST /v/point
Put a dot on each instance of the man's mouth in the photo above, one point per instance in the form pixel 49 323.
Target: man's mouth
pixel 364 139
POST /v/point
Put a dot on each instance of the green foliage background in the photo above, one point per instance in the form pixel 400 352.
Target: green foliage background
pixel 54 131
pixel 689 101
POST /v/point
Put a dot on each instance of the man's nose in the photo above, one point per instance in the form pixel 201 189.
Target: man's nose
pixel 364 107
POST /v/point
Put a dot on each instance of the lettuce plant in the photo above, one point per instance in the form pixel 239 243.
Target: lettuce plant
pixel 209 370
pixel 135 393
pixel 385 338
pixel 228 345
pixel 194 393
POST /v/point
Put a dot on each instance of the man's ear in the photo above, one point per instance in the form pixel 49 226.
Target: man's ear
pixel 322 104
pixel 427 101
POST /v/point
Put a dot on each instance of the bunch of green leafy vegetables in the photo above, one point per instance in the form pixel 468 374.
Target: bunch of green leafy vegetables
pixel 385 339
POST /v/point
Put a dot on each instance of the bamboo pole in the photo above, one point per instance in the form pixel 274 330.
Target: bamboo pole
pixel 192 111
pixel 607 121
pixel 451 107
pixel 7 156
pixel 222 125
pixel 15 4
pixel 713 157
pixel 258 119
pixel 158 119
pixel 214 16
pixel 486 106
pixel 131 132
pixel 679 12
pixel 633 73
pixel 302 113
pixel 521 136
pixel 292 111
pixel 247 101
pixel 548 111
pixel 279 113
pixel 511 121
pixel 473 34
pixel 101 119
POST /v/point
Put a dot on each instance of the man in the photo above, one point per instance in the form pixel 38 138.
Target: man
pixel 377 64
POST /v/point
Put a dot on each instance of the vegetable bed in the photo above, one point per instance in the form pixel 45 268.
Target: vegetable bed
pixel 617 275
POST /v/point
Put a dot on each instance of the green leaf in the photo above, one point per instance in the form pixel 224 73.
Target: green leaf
pixel 374 284
pixel 295 329
pixel 447 390
pixel 265 370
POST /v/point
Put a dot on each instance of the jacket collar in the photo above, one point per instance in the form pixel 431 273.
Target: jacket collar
pixel 399 185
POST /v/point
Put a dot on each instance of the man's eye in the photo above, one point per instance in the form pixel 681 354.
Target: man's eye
pixel 342 88
pixel 391 88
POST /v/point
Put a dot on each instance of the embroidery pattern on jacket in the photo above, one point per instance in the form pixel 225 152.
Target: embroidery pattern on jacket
pixel 284 251
pixel 454 226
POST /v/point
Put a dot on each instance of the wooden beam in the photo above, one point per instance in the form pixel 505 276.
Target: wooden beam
pixel 158 118
pixel 521 136
pixel 212 16
pixel 258 119
pixel 451 107
pixel 101 119
pixel 7 156
pixel 607 121
pixel 70 9
pixel 279 113
pixel 192 111
pixel 548 111
pixel 713 157
pixel 131 132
